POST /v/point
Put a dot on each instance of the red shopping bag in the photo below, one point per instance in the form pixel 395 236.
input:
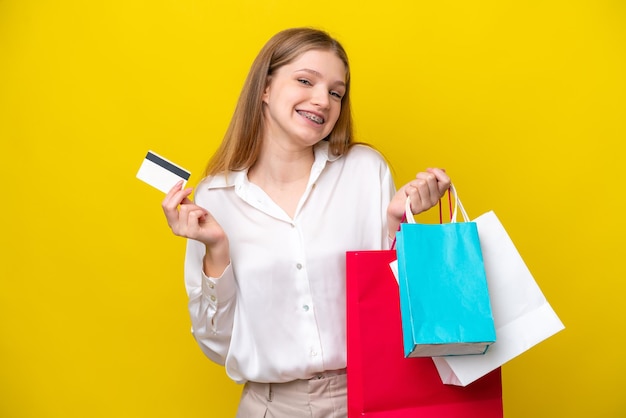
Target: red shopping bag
pixel 382 383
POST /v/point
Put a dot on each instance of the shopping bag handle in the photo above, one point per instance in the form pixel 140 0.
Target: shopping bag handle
pixel 440 209
pixel 458 206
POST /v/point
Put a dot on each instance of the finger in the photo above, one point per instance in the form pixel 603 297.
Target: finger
pixel 190 212
pixel 196 217
pixel 179 220
pixel 191 216
pixel 170 202
pixel 416 192
pixel 177 187
pixel 176 197
pixel 171 205
pixel 443 180
pixel 429 191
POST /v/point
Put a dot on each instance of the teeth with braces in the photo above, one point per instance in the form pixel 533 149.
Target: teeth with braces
pixel 312 117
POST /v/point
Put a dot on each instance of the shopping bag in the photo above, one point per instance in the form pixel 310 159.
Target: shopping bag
pixel 523 317
pixel 444 297
pixel 382 383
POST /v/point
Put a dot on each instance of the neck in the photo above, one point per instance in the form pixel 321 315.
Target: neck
pixel 283 175
pixel 278 165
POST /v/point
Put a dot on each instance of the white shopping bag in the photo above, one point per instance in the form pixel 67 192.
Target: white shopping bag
pixel 522 315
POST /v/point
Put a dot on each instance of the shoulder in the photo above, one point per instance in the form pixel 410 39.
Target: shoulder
pixel 216 183
pixel 360 150
pixel 221 181
pixel 365 155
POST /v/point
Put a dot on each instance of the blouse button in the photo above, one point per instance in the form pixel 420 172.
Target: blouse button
pixel 213 298
pixel 299 266
pixel 306 308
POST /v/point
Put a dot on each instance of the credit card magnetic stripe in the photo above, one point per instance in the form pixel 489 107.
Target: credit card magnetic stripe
pixel 168 166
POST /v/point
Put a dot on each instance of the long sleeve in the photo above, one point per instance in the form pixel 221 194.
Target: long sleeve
pixel 212 303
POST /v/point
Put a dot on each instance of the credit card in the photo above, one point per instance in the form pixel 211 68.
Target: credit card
pixel 161 173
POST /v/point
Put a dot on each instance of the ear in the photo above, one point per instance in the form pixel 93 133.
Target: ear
pixel 266 92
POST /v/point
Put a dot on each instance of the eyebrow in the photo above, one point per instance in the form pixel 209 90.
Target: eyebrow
pixel 318 74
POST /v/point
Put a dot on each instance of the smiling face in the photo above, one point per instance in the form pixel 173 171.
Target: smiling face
pixel 302 100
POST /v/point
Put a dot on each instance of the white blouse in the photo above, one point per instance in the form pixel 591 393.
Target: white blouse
pixel 278 313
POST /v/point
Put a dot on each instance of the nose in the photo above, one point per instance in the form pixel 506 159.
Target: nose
pixel 320 97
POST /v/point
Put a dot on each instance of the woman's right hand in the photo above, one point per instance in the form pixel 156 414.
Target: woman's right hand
pixel 186 219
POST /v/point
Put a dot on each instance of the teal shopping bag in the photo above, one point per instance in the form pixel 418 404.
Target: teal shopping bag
pixel 444 299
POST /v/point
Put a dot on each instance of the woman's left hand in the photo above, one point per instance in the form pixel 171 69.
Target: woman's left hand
pixel 425 191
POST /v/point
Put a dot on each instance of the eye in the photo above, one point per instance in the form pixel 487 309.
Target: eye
pixel 336 94
pixel 304 81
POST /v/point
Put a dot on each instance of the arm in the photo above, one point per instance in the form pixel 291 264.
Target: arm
pixel 209 280
pixel 212 304
pixel 424 192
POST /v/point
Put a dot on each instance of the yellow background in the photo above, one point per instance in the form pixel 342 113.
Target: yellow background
pixel 523 103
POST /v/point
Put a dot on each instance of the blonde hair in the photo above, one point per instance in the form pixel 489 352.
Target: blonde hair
pixel 241 145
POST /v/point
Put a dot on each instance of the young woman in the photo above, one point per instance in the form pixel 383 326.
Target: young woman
pixel 286 195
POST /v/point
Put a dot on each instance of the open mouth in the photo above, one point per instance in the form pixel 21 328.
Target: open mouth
pixel 311 116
